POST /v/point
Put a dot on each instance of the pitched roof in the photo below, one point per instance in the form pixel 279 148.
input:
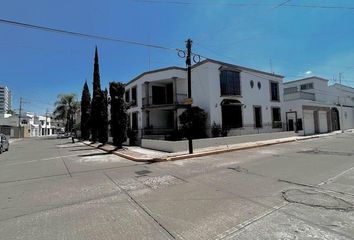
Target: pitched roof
pixel 235 66
pixel 307 78
pixel 155 71
pixel 200 63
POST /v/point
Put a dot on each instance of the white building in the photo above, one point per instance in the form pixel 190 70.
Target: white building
pixel 312 106
pixel 241 99
pixel 5 99
pixel 45 127
pixel 31 125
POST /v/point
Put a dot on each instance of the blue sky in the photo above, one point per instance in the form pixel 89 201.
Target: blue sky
pixel 39 65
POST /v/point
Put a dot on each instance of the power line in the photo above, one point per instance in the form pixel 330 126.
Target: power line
pixel 186 3
pixel 283 4
pixel 318 6
pixel 80 34
pixel 252 17
pixel 92 36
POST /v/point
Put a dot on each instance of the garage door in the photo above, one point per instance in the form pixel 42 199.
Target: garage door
pixel 322 119
pixel 309 122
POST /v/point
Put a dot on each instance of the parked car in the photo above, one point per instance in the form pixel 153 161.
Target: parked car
pixel 61 135
pixel 4 143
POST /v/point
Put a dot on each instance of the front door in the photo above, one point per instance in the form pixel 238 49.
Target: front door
pixel 335 119
pixel 290 125
pixel 258 116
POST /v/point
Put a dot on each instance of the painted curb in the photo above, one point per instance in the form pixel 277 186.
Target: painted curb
pixel 206 153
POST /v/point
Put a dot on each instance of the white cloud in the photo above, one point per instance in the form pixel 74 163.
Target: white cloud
pixel 308 72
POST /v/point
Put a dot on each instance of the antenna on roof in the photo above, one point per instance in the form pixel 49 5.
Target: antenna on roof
pixel 340 78
pixel 271 65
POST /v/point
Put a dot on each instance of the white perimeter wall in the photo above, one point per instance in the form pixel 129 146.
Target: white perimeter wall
pixel 348 117
pixel 179 146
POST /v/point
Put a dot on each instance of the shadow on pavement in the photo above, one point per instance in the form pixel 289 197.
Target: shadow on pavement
pixel 75 146
pixel 47 138
pixel 94 154
pixel 81 149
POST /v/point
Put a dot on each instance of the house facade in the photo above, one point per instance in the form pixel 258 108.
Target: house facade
pixel 236 98
pixel 31 125
pixel 311 106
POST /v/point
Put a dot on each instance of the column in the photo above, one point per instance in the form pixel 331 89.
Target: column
pixel 175 100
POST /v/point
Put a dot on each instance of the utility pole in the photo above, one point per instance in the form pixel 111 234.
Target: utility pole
pixel 340 78
pixel 19 116
pixel 46 116
pixel 271 66
pixel 341 106
pixel 189 70
pixel 341 115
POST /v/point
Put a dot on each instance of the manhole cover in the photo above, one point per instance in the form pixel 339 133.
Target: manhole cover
pixel 311 197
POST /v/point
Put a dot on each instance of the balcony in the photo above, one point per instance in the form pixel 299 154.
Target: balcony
pixel 299 95
pixel 164 101
pixel 167 93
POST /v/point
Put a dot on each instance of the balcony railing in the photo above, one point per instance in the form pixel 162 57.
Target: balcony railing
pixel 180 97
pixel 299 95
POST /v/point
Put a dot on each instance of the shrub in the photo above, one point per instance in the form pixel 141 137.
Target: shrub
pixel 215 130
pixel 193 121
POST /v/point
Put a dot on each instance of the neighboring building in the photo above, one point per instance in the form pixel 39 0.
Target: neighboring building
pixel 45 127
pixel 31 125
pixel 312 106
pixel 343 97
pixel 10 127
pixel 58 126
pixel 5 99
pixel 244 100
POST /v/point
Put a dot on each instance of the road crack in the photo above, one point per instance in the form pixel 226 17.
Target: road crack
pixel 315 198
pixel 143 208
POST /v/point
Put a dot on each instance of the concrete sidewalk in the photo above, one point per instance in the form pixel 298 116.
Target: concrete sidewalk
pixel 139 154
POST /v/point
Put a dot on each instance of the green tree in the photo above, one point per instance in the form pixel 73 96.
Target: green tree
pixel 96 100
pixel 193 122
pixel 103 126
pixel 119 117
pixel 85 112
pixel 65 109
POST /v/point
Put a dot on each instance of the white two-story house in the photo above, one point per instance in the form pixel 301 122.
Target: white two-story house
pixel 240 99
pixel 311 106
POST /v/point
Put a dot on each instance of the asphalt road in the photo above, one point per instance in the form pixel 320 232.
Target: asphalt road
pixel 53 189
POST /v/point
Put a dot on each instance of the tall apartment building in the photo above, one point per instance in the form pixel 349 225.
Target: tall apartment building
pixel 5 99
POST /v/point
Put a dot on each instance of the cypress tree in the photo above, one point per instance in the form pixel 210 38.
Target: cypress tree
pixel 96 100
pixel 118 113
pixel 85 112
pixel 103 125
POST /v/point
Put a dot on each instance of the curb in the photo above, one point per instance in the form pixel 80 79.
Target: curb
pixel 126 156
pixel 214 152
pixel 206 153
